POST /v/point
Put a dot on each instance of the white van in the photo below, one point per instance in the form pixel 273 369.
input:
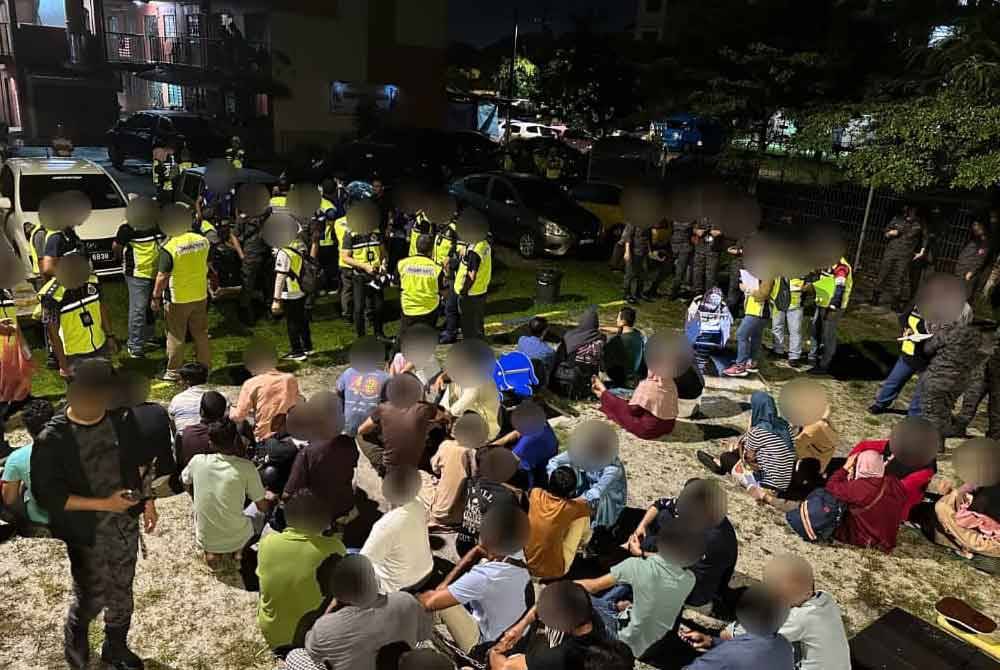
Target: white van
pixel 25 182
pixel 526 130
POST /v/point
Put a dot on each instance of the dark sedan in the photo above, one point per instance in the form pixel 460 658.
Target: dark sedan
pixel 528 212
pixel 136 136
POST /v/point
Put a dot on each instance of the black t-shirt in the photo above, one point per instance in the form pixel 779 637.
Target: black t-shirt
pixel 481 495
pixel 472 260
pixel 153 423
pixel 568 655
pixel 63 243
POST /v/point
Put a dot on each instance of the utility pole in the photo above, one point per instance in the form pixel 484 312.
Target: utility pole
pixel 512 88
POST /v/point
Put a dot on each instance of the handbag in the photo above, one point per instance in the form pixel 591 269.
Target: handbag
pixel 818 517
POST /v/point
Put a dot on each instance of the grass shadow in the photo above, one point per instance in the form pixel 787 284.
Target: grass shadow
pixel 358 530
pixel 865 360
pixel 686 432
pixel 508 305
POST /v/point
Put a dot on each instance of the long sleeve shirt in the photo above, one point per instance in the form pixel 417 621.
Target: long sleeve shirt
pixel 605 489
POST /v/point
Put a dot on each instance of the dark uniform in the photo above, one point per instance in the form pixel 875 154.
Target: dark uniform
pixel 734 296
pixel 368 299
pixel 680 245
pixel 984 381
pixel 706 258
pixel 659 257
pixel 971 261
pixel 638 241
pixel 448 251
pixel 954 350
pixel 258 263
pixel 896 260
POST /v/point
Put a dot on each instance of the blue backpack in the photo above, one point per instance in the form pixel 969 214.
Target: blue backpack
pixel 816 519
pixel 514 373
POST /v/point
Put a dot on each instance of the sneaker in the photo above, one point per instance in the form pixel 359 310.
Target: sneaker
pixel 751 366
pixel 795 363
pixel 876 408
pixel 735 370
pixel 136 354
pixel 294 356
pixel 632 300
pixel 170 376
pixel 310 352
pixel 709 462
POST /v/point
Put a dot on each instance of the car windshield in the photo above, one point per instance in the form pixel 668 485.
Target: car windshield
pixel 98 187
pixel 541 195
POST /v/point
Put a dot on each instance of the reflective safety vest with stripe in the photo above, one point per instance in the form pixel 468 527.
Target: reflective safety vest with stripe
pixel 81 329
pixel 794 288
pixel 916 324
pixel 340 230
pixel 329 237
pixel 483 274
pixel 419 278
pixel 189 276
pixel 236 157
pixel 753 307
pixel 145 252
pixel 448 246
pixel 34 229
pixel 292 285
pixel 826 286
pixel 422 226
pixel 161 174
pixel 206 227
pixel 367 249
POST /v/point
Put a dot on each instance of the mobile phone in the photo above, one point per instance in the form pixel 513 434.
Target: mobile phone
pixel 131 494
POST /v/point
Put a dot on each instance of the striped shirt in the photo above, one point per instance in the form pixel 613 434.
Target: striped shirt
pixel 776 462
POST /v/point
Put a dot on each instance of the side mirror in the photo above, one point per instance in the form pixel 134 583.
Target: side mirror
pixel 5 203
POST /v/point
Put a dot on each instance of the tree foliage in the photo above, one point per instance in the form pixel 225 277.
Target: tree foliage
pixel 526 78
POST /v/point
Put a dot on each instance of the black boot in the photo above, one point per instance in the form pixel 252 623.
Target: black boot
pixel 76 646
pixel 116 653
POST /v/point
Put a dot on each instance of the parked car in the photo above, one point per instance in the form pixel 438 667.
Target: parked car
pixel 529 212
pixel 580 140
pixel 687 133
pixel 526 130
pixel 525 153
pixel 191 183
pixel 136 136
pixel 603 200
pixel 25 183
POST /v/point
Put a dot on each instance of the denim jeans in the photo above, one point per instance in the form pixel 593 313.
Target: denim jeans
pixel 792 344
pixel 748 337
pixel 889 390
pixel 141 325
pixel 604 605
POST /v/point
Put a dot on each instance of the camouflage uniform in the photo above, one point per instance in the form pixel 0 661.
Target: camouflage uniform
pixel 896 260
pixel 680 246
pixel 984 381
pixel 953 350
pixel 706 259
pixel 972 259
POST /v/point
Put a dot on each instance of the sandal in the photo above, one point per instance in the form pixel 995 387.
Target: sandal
pixel 709 462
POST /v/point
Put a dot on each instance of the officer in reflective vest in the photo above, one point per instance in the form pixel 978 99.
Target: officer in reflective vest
pixel 340 232
pixel 911 361
pixel 786 318
pixel 36 235
pixel 448 250
pixel 833 294
pixel 183 278
pixel 139 251
pixel 366 255
pixel 472 279
pixel 77 321
pixel 326 249
pixel 235 154
pixel 748 335
pixel 164 172
pixel 420 283
pixel 290 299
pixel 421 226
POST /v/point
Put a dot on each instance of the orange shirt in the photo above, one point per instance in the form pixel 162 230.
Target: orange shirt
pixel 264 397
pixel 550 519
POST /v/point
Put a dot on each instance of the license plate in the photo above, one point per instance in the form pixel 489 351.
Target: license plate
pixel 100 256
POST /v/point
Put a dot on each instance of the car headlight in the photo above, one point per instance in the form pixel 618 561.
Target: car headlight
pixel 700 143
pixel 554 229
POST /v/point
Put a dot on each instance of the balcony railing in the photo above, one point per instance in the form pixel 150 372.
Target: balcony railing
pixel 6 48
pixel 197 52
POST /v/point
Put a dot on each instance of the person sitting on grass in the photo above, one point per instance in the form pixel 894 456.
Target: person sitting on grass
pixel 268 395
pixel 534 441
pixel 581 353
pixel 478 601
pixel 763 459
pixel 361 624
pixel 289 566
pixel 360 386
pixel 185 407
pixel 15 484
pixel 325 465
pixel 559 525
pixel 874 501
pixel 452 464
pixel 564 607
pixel 398 546
pixel 491 485
pixel 649 414
pixel 468 383
pixel 193 440
pixel 602 482
pixel 222 482
pixel 416 355
pixel 623 354
pixel 403 424
pixel 650 589
pixel 967 518
pixel 703 503
pixel 533 346
pixel 760 615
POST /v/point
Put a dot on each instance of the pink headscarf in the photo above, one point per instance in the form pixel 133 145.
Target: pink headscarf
pixel 870 464
pixel 658 396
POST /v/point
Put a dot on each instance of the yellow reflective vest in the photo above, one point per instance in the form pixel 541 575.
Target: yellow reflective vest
pixel 794 288
pixel 340 230
pixel 145 251
pixel 329 237
pixel 367 249
pixel 189 276
pixel 826 285
pixel 419 278
pixel 292 284
pixel 81 328
pixel 34 229
pixel 916 324
pixel 236 157
pixel 422 226
pixel 483 274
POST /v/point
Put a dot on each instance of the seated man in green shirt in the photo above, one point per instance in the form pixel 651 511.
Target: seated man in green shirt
pixel 289 565
pixel 15 482
pixel 623 354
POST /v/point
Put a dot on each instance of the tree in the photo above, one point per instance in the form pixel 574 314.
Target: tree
pixel 525 78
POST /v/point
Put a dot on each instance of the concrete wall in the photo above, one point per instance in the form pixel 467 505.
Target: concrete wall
pixel 320 49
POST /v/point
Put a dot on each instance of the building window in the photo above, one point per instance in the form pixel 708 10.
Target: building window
pixel 654 6
pixel 175 96
pixel 155 94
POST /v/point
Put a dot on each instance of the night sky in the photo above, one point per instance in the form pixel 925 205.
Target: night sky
pixel 482 22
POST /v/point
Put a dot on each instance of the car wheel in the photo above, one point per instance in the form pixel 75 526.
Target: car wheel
pixel 527 245
pixel 116 157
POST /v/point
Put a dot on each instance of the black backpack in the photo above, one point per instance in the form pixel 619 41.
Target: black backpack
pixel 783 299
pixel 311 276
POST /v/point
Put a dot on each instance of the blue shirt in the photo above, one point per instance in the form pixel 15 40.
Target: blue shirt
pixel 605 489
pixel 18 468
pixel 536 349
pixel 536 449
pixel 493 592
pixel 747 652
pixel 361 392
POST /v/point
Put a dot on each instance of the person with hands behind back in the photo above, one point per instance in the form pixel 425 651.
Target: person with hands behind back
pixel 87 473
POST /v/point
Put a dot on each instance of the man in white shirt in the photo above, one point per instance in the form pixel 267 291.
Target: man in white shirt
pixel 185 407
pixel 399 545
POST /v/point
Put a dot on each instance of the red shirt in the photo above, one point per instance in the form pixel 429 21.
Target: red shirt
pixel 872 520
pixel 915 483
